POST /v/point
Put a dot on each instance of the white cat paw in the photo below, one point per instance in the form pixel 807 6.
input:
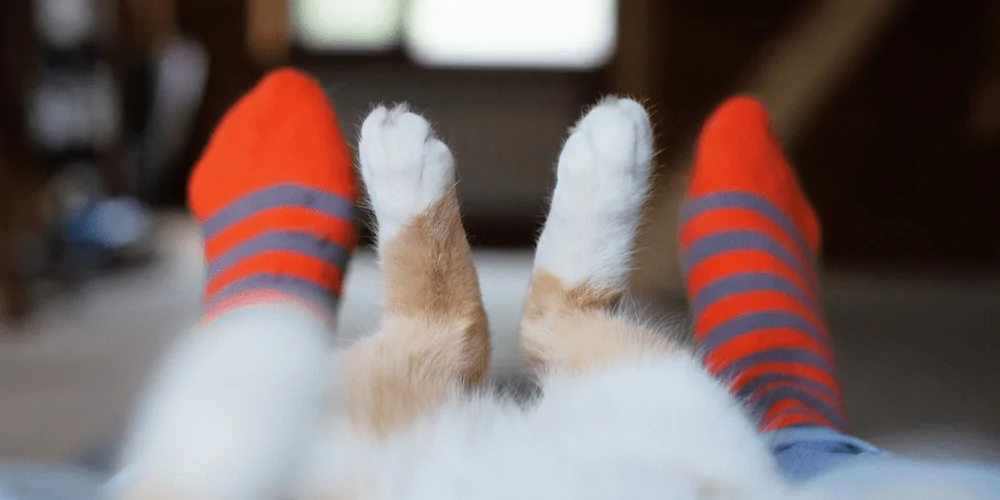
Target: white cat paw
pixel 610 150
pixel 404 167
pixel 604 176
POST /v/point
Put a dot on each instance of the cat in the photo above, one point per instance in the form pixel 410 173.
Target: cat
pixel 624 409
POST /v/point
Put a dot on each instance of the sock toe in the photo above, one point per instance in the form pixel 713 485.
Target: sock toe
pixel 738 151
pixel 284 131
pixel 275 192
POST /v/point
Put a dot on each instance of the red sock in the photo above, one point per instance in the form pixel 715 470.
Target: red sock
pixel 275 193
pixel 749 242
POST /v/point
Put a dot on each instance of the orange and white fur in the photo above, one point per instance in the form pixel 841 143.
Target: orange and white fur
pixel 625 410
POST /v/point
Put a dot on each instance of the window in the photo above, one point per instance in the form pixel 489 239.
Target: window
pixel 351 25
pixel 526 33
pixel 563 34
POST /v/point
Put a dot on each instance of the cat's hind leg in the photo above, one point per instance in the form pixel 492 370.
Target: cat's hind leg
pixel 611 380
pixel 585 252
pixel 433 336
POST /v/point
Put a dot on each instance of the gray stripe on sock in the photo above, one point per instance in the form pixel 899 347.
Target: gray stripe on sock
pixel 748 282
pixel 285 195
pixel 714 244
pixel 754 384
pixel 743 324
pixel 776 355
pixel 290 285
pixel 290 241
pixel 736 199
pixel 766 400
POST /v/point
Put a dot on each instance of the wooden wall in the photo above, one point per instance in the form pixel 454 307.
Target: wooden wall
pixel 900 154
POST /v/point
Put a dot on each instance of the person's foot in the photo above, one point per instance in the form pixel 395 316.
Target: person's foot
pixel 749 241
pixel 275 193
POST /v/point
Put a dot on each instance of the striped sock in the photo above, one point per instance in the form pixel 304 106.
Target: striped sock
pixel 749 241
pixel 275 194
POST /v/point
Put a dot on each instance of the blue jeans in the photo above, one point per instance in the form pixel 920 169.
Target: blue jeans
pixel 835 465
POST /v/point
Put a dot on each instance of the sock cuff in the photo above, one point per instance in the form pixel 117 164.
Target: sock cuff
pixel 320 308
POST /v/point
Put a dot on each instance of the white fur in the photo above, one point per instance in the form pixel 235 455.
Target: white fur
pixel 405 168
pixel 658 429
pixel 603 180
pixel 234 405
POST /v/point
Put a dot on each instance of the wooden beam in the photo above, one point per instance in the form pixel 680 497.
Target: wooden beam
pixel 268 38
pixel 805 66
pixel 984 107
pixel 798 74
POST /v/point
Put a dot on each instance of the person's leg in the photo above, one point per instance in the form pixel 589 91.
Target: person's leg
pixel 749 242
pixel 238 397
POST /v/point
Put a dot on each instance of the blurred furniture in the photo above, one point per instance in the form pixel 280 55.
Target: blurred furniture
pixel 20 183
pixel 59 116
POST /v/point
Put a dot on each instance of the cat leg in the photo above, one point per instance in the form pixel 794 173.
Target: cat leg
pixel 433 336
pixel 622 382
pixel 584 255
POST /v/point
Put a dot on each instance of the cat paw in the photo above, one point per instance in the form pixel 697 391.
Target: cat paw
pixel 604 176
pixel 405 168
pixel 610 150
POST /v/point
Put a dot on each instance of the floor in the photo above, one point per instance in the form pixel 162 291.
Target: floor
pixel 918 353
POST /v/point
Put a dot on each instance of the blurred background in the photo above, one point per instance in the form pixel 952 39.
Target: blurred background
pixel 889 108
